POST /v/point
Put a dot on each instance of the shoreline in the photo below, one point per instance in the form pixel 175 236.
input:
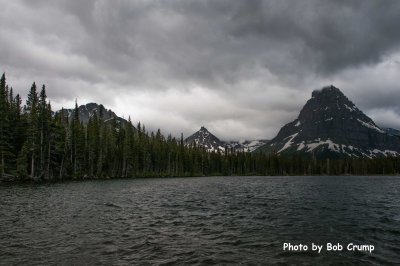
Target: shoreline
pixel 83 179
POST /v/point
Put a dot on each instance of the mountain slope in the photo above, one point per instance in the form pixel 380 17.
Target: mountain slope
pixel 331 126
pixel 392 131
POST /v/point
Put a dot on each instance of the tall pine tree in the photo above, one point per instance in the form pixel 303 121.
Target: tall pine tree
pixel 31 109
pixel 4 124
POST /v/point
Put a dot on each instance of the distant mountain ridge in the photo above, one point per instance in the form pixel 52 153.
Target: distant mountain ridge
pixel 206 139
pixel 392 131
pixel 328 126
pixel 247 145
pixel 88 110
pixel 331 126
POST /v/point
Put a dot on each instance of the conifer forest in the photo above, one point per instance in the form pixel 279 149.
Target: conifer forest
pixel 38 143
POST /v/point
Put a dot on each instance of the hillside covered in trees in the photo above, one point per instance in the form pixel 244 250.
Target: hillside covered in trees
pixel 39 144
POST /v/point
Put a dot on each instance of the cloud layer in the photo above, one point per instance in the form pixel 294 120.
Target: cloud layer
pixel 241 68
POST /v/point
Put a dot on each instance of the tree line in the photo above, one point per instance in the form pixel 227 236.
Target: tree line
pixel 39 144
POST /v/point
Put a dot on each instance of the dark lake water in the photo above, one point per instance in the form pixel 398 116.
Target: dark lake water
pixel 203 221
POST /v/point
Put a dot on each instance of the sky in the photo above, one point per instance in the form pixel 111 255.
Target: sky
pixel 241 68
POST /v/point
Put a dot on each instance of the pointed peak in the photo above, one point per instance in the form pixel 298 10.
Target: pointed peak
pixel 91 105
pixel 328 90
pixel 331 125
pixel 206 139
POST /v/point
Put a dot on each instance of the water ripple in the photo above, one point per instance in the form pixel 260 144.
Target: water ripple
pixel 200 221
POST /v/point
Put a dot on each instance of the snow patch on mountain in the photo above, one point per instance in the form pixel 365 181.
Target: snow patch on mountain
pixel 371 125
pixel 313 145
pixel 288 143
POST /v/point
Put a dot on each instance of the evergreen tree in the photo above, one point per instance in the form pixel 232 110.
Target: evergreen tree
pixel 44 121
pixel 17 129
pixel 4 125
pixel 31 143
pixel 77 142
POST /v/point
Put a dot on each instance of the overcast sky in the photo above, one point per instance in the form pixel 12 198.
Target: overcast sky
pixel 242 69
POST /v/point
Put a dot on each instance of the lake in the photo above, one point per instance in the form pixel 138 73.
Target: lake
pixel 201 221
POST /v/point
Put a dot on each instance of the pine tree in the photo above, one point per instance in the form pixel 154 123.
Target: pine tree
pixel 4 124
pixel 77 142
pixel 44 120
pixel 17 129
pixel 60 150
pixel 31 109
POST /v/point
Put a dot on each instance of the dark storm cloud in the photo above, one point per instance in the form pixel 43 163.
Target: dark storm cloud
pixel 259 60
pixel 333 34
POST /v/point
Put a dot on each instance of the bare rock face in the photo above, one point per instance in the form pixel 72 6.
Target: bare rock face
pixel 331 126
pixel 88 110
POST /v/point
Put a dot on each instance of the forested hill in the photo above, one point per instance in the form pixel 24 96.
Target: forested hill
pixel 38 144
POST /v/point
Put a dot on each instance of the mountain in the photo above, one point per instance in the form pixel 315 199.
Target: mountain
pixel 205 138
pixel 392 131
pixel 246 145
pixel 88 110
pixel 331 126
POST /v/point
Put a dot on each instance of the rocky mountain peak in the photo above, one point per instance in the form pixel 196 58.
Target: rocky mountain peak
pixel 204 130
pixel 330 125
pixel 88 110
pixel 204 138
pixel 327 91
pixel 329 101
